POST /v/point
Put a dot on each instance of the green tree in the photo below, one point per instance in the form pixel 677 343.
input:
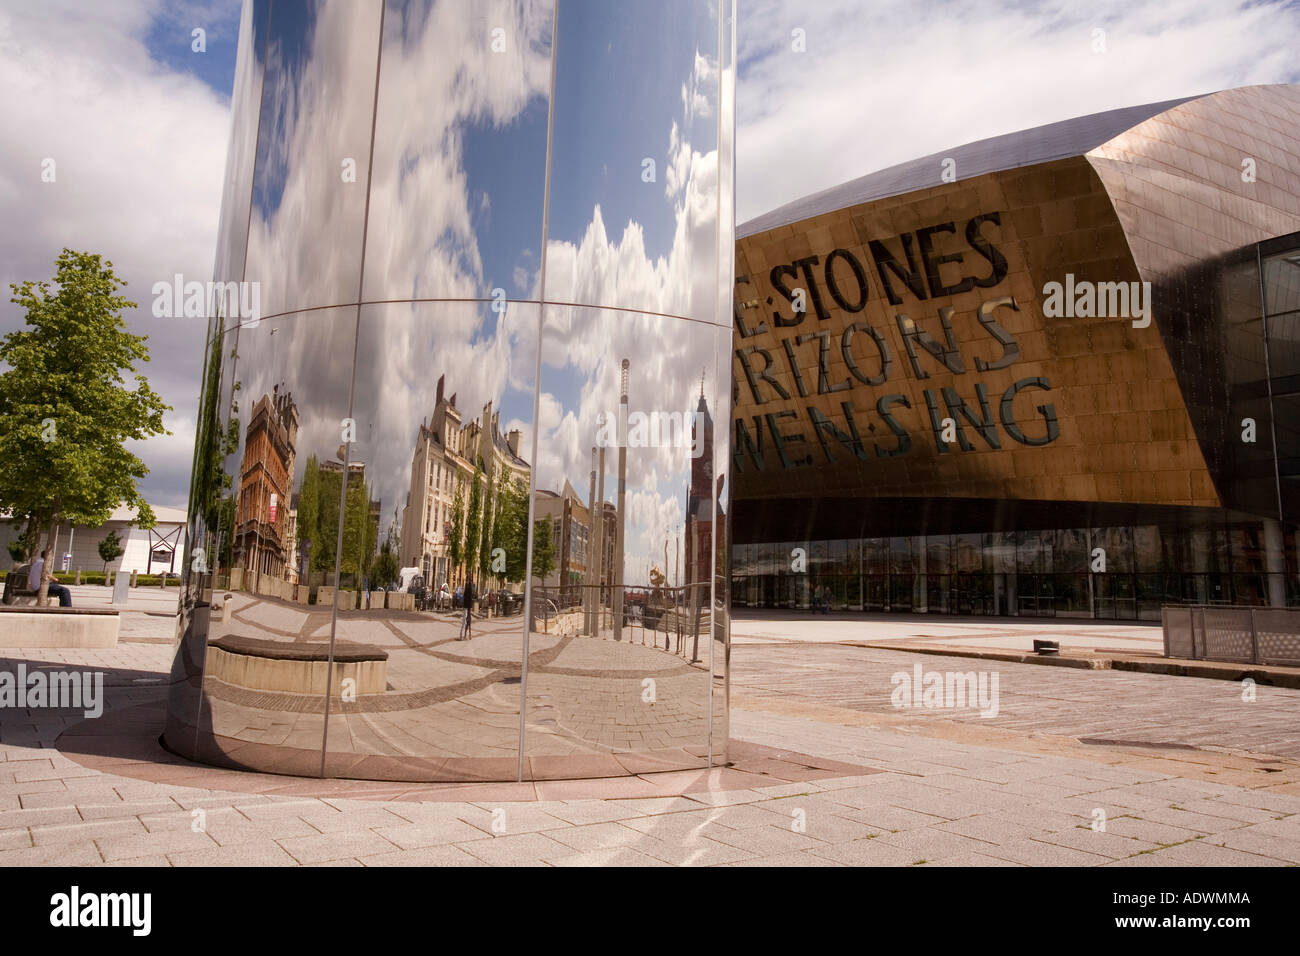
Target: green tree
pixel 225 547
pixel 455 546
pixel 385 570
pixel 473 521
pixel 543 549
pixel 309 510
pixel 485 538
pixel 501 517
pixel 21 548
pixel 515 531
pixel 110 549
pixel 358 543
pixel 66 412
pixel 210 482
pixel 327 524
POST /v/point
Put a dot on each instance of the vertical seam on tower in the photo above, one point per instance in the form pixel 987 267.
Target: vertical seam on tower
pixel 537 399
pixel 243 269
pixel 352 386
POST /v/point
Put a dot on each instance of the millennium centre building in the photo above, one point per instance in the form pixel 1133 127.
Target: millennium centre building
pixel 1052 373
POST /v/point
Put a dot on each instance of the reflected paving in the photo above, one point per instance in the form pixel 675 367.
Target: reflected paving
pixel 456 703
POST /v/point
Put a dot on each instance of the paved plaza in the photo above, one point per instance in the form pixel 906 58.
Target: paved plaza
pixel 930 631
pixel 1076 767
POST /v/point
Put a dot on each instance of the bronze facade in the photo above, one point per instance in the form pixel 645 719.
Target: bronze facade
pixel 1064 348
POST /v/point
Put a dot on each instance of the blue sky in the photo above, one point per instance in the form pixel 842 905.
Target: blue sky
pixel 170 42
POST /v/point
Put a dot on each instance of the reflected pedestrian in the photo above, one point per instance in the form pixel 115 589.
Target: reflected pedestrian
pixel 465 634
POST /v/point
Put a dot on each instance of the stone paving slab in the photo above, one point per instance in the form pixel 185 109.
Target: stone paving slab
pixel 923 790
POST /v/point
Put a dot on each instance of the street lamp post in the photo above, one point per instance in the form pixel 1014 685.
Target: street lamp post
pixel 622 505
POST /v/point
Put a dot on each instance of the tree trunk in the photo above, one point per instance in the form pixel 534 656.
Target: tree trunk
pixel 30 535
pixel 47 570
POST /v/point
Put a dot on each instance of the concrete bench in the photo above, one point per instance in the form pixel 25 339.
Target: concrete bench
pixel 58 627
pixel 16 590
pixel 292 668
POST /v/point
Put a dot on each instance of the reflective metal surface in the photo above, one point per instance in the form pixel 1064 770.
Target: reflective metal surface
pixel 447 327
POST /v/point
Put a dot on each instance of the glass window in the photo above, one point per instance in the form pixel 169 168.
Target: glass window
pixel 1246 542
pixel 1033 551
pixel 938 554
pixel 1073 595
pixel 1071 552
pixel 1000 553
pixel 819 557
pixel 1147 551
pixel 875 556
pixel 901 560
pixel 837 559
pixel 1118 545
pixel 968 552
pixel 1209 549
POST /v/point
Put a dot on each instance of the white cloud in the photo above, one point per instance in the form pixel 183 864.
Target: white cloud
pixel 888 81
pixel 139 152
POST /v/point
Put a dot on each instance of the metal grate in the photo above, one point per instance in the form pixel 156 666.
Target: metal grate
pixel 1244 635
pixel 1277 632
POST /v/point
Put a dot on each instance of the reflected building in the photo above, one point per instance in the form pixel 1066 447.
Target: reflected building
pixel 446 211
pixel 1051 373
pixel 447 454
pixel 265 473
pixel 291 542
pixel 570 523
pixel 699 500
pixel 573 537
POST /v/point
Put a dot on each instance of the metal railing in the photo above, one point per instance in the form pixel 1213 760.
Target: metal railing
pixel 1240 635
pixel 677 620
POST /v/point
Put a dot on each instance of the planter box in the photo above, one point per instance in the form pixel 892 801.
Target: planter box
pixel 294 668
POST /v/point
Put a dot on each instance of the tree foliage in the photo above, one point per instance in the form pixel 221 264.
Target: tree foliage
pixel 309 512
pixel 66 410
pixel 23 547
pixel 485 536
pixel 507 524
pixel 455 545
pixel 210 483
pixel 473 519
pixel 358 530
pixel 385 569
pixel 110 549
pixel 543 548
pixel 327 522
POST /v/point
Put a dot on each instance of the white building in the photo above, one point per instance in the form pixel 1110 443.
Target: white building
pixel 150 552
pixel 443 463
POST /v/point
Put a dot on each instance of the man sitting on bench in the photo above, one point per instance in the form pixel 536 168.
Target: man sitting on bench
pixel 56 589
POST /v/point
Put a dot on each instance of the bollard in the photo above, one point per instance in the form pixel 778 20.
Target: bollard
pixel 226 602
pixel 132 584
pixel 78 575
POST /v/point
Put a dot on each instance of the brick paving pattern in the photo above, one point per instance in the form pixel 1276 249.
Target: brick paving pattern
pixel 1182 770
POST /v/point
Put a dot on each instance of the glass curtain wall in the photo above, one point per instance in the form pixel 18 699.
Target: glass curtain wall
pixel 1123 573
